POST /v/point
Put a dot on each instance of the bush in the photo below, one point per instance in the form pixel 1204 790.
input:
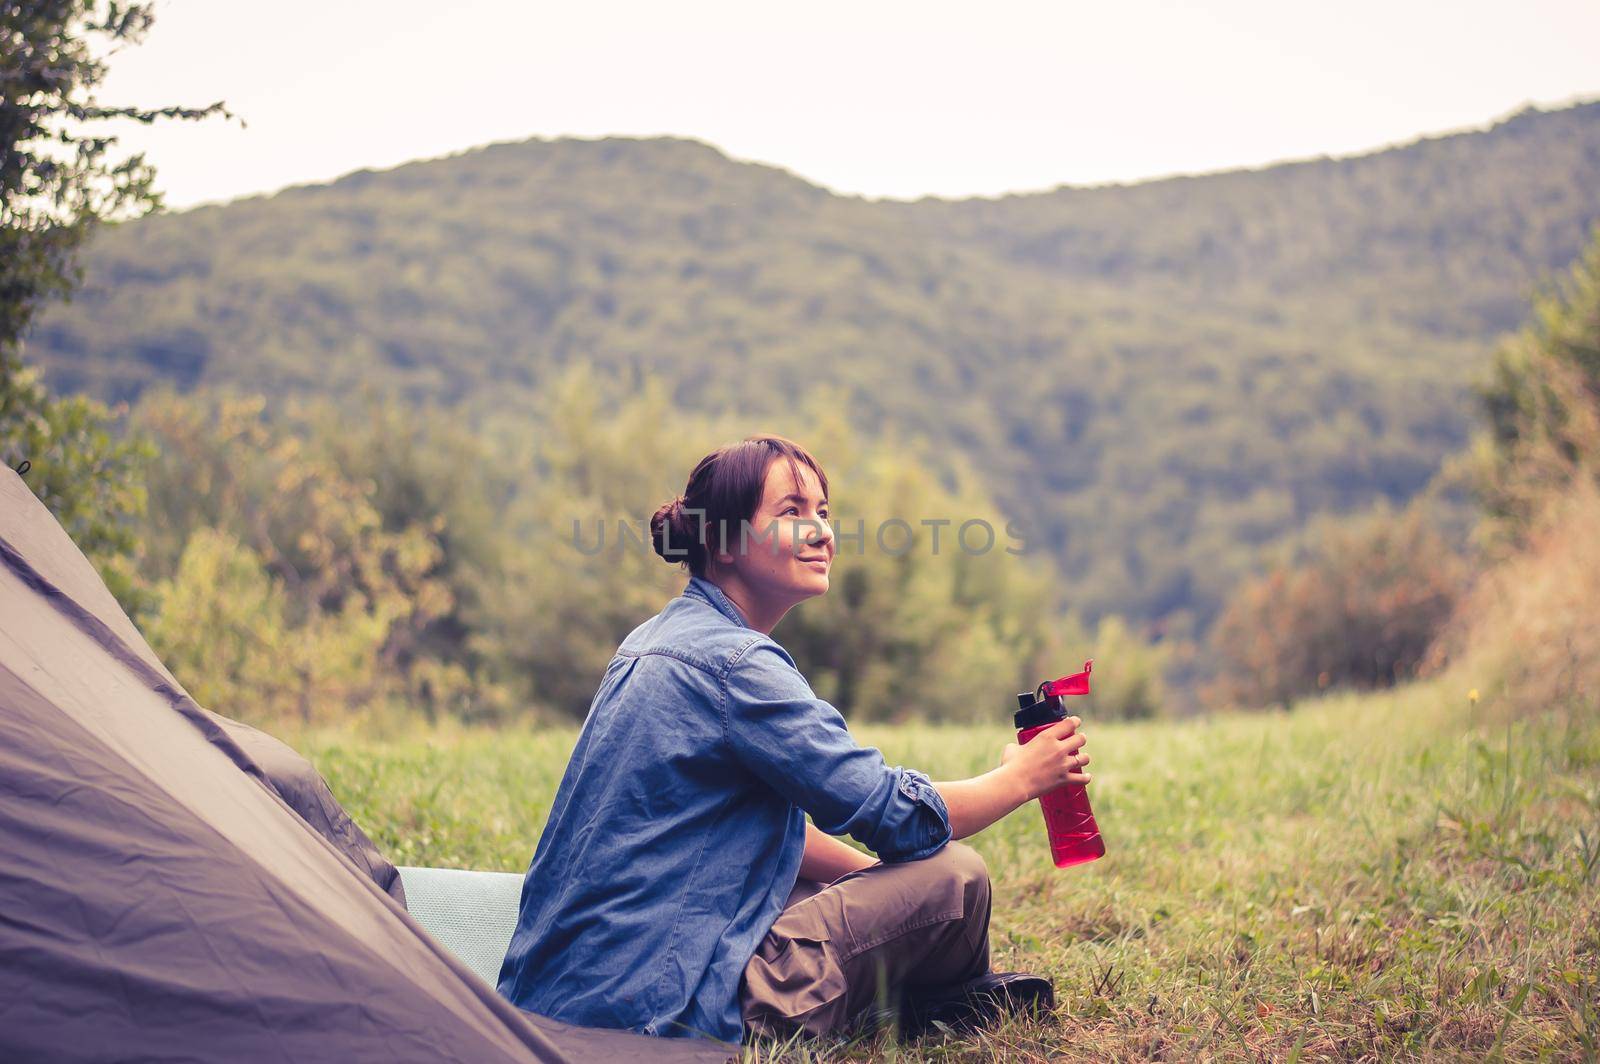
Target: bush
pixel 1129 678
pixel 1526 631
pixel 83 467
pixel 1359 608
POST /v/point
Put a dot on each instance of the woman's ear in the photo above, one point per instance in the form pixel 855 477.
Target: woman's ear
pixel 714 556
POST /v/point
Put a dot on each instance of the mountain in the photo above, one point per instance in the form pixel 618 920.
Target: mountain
pixel 1159 377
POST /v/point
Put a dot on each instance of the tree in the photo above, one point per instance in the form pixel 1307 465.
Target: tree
pixel 1543 403
pixel 59 180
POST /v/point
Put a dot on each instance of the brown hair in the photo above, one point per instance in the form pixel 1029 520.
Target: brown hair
pixel 723 491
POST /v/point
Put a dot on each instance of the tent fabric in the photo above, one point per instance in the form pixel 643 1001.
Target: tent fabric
pixel 302 787
pixel 163 898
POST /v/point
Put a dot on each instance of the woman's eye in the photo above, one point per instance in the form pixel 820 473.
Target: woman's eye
pixel 791 510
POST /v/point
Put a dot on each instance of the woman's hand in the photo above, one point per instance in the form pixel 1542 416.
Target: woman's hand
pixel 1050 759
pixel 1047 761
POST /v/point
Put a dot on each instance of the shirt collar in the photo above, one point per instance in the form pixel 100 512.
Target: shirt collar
pixel 701 588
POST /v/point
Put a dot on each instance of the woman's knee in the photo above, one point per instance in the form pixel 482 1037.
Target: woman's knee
pixel 967 866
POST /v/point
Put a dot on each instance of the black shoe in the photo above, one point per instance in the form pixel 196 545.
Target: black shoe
pixel 975 1004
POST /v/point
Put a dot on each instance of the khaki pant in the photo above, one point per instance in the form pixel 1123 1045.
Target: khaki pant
pixel 837 947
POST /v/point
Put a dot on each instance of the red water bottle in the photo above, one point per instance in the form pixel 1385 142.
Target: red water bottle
pixel 1074 836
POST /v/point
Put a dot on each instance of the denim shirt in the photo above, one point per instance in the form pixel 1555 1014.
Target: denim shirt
pixel 677 832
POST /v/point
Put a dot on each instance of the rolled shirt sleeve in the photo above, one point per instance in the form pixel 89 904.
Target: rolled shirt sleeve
pixel 799 745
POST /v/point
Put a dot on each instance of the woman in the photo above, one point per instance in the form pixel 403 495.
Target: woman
pixel 678 889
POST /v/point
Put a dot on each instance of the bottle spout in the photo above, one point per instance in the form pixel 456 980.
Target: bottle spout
pixel 1076 684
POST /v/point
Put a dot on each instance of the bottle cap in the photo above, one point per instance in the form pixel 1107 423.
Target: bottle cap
pixel 1043 704
pixel 1046 710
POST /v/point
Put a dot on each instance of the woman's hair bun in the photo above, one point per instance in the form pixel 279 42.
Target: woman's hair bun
pixel 669 532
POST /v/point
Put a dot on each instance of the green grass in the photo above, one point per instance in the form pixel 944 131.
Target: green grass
pixel 1375 876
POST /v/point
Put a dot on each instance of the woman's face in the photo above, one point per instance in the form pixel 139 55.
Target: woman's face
pixel 789 551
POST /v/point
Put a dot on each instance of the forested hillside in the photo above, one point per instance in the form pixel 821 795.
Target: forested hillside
pixel 1160 378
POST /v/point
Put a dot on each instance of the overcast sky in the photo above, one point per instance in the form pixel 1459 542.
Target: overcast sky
pixel 871 97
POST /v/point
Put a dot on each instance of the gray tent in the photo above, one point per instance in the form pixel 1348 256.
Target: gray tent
pixel 176 886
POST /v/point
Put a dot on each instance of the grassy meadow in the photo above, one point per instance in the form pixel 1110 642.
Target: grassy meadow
pixel 1404 874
